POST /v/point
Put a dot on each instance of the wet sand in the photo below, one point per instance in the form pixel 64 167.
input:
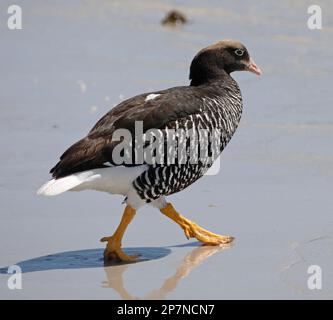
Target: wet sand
pixel 72 62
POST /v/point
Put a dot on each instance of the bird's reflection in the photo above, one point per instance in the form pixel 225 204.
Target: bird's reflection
pixel 195 257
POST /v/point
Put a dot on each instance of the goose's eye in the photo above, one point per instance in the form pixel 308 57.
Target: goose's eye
pixel 239 52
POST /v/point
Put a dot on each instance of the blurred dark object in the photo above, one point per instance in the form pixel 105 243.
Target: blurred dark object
pixel 174 18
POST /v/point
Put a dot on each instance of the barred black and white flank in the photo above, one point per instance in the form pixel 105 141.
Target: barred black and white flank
pixel 212 101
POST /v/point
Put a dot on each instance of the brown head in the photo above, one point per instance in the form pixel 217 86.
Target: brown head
pixel 223 57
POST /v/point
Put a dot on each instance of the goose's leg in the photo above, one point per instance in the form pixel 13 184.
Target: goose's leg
pixel 113 248
pixel 192 230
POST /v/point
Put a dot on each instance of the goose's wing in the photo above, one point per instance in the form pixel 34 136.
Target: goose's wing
pixel 155 110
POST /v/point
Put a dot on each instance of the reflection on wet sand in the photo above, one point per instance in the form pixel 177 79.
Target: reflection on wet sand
pixel 192 259
pixel 92 258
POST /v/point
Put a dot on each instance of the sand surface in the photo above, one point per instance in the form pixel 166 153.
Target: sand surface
pixel 73 61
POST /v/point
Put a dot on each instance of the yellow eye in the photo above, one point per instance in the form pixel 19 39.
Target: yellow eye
pixel 239 52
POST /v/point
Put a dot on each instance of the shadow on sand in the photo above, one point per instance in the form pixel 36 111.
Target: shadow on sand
pixel 89 258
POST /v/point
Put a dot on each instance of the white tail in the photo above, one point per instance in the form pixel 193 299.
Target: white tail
pixel 117 180
pixel 57 186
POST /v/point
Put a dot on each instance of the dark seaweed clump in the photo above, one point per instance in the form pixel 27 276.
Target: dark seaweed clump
pixel 174 18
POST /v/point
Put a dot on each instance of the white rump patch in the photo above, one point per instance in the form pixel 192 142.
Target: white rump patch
pixel 152 96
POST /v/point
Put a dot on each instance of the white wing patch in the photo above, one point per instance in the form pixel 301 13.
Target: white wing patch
pixel 152 96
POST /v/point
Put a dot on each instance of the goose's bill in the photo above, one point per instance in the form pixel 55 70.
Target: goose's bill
pixel 252 67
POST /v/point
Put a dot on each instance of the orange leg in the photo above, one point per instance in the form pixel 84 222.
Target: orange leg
pixel 113 248
pixel 192 230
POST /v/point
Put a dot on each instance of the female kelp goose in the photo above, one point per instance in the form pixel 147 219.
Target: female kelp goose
pixel 212 102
